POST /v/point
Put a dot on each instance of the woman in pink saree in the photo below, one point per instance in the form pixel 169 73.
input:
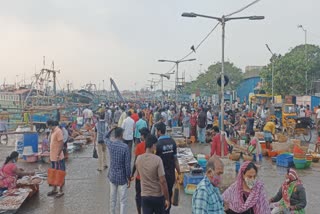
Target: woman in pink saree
pixel 9 172
pixel 247 195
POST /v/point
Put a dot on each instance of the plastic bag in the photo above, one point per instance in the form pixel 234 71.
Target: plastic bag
pixel 95 154
pixel 176 194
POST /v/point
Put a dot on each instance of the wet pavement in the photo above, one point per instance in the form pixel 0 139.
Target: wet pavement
pixel 87 190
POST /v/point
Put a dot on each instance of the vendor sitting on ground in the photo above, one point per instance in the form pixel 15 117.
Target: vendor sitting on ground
pixel 90 130
pixel 73 132
pixel 269 131
pixel 9 172
pixel 292 195
pixel 254 147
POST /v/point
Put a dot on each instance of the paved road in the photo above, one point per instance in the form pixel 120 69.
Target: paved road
pixel 87 191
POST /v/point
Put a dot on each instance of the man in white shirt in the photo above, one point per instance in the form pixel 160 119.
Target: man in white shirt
pixel 209 119
pixel 128 126
pixel 259 111
pixel 302 111
pixel 164 117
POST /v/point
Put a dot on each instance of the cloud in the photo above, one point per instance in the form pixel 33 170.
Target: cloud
pixel 82 57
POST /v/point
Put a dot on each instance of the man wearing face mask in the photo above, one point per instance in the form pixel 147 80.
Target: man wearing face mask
pixel 207 197
pixel 247 195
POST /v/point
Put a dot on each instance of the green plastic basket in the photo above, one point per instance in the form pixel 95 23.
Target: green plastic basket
pixel 300 165
pixel 308 164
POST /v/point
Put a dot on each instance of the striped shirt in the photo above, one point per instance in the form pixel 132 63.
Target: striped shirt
pixel 207 199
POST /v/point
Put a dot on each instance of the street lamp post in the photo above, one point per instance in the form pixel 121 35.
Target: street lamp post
pixel 222 21
pixel 167 75
pixel 177 62
pixel 305 50
pixel 272 70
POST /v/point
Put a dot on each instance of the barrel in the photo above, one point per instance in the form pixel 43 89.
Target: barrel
pixel 31 139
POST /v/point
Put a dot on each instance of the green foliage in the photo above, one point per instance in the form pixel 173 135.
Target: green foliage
pixel 290 69
pixel 207 81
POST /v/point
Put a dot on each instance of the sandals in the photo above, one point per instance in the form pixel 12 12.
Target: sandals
pixel 59 194
pixel 52 193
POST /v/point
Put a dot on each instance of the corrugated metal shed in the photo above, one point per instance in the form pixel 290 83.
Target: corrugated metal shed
pixel 315 101
pixel 247 86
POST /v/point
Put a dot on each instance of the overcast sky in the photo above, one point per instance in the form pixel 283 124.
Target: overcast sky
pixel 94 40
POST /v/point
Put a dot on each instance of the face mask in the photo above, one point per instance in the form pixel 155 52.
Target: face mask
pixel 250 182
pixel 14 161
pixel 215 180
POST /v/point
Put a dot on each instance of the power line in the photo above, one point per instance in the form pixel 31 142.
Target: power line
pixel 205 38
pixel 242 9
pixel 211 31
pixel 202 41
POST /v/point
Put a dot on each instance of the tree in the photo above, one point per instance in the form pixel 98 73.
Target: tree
pixel 207 81
pixel 290 69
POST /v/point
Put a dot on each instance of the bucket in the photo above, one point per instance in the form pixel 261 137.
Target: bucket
pixel 31 139
pixel 259 157
pixel 28 151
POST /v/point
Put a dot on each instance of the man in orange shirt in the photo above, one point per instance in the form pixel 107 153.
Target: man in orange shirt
pixel 56 153
pixel 140 149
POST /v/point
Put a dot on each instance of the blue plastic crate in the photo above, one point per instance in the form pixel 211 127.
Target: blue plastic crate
pixel 191 179
pixel 285 160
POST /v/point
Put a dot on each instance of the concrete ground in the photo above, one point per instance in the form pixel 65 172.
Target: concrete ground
pixel 87 190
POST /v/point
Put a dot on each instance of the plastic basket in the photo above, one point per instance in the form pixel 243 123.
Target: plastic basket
pixel 308 164
pixel 285 160
pixel 30 158
pixel 202 162
pixel 299 156
pixel 190 189
pixel 191 179
pixel 299 161
pixel 272 153
pixel 299 164
pixel 297 150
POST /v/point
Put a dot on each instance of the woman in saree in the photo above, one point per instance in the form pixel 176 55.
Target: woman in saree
pixel 9 172
pixel 291 195
pixel 247 195
pixel 193 123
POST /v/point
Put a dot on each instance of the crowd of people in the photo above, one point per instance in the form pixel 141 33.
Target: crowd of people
pixel 155 161
pixel 123 130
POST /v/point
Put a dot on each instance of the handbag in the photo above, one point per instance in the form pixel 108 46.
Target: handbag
pixel 56 176
pixel 95 154
pixel 175 195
